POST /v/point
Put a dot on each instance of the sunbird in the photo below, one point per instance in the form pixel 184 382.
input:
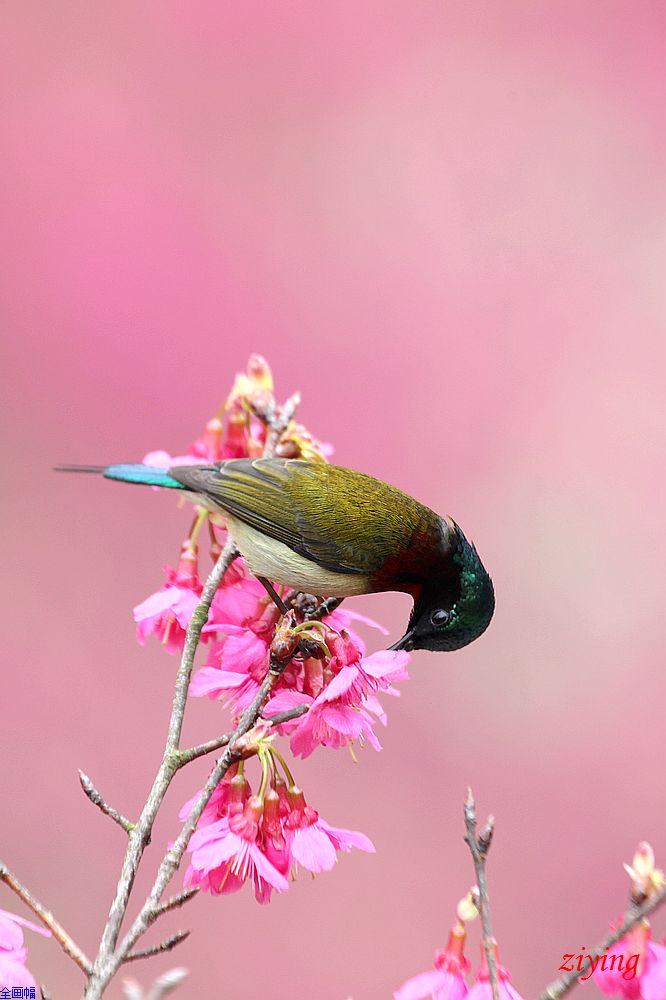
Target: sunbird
pixel 327 530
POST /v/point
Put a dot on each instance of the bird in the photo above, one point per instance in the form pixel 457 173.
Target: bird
pixel 328 530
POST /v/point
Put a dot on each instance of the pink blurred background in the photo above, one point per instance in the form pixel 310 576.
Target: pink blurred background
pixel 444 223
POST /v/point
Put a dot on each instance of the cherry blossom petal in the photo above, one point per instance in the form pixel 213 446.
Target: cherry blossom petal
pixel 313 849
pixel 13 971
pixel 157 604
pixel 421 986
pixel 344 840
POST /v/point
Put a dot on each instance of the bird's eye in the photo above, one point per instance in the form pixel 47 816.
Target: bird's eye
pixel 440 617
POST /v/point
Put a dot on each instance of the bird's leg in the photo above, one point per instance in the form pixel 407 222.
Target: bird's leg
pixel 273 594
pixel 306 647
pixel 298 601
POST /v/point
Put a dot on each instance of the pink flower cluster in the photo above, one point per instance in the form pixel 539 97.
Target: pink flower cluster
pixel 340 690
pixel 447 981
pixel 13 972
pixel 167 612
pixel 262 838
pixel 634 968
pixel 235 432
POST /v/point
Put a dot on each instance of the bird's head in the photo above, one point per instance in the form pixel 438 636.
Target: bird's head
pixel 449 616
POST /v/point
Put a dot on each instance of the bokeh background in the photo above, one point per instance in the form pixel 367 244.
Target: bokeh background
pixel 444 223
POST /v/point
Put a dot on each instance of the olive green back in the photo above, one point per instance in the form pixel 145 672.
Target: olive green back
pixel 343 520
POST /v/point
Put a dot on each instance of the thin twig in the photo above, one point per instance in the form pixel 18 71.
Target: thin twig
pixel 167 945
pixel 479 847
pixel 97 800
pixel 139 837
pixel 185 756
pixel 173 857
pixel 110 954
pixel 290 713
pixel 279 423
pixel 559 987
pixel 57 930
pixel 178 900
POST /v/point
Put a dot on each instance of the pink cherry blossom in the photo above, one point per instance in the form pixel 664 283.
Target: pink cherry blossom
pixel 241 662
pixel 329 722
pixel 274 840
pixel 226 853
pixel 13 955
pixel 13 971
pixel 262 837
pixel 481 989
pixel 341 712
pixel 244 621
pixel 447 980
pixel 168 611
pixel 314 844
pixel 241 600
pixel 232 788
pixel 634 967
pixel 378 673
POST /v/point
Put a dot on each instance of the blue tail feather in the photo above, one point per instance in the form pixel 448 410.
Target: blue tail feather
pixel 148 475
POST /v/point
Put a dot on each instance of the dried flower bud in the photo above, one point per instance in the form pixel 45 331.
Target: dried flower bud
pixel 467 908
pixel 212 438
pixel 298 442
pixel 284 647
pixel 260 734
pixel 646 880
pixel 259 373
pixel 287 449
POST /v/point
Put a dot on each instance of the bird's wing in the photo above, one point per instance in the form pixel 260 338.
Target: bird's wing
pixel 343 520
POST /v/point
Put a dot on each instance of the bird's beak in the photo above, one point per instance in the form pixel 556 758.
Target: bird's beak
pixel 406 642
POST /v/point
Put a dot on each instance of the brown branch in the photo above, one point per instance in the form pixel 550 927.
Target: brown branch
pixel 139 837
pixel 97 800
pixel 157 949
pixel 479 847
pixel 278 423
pixel 178 900
pixel 57 930
pixel 185 756
pixel 559 987
pixel 290 713
pixel 174 855
pixel 110 956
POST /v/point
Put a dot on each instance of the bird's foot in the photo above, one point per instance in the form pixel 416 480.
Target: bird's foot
pixel 309 607
pixel 325 608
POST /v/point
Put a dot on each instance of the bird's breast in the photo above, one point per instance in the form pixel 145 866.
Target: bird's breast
pixel 267 557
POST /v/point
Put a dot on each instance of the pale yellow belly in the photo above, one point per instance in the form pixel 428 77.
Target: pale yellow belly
pixel 270 558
